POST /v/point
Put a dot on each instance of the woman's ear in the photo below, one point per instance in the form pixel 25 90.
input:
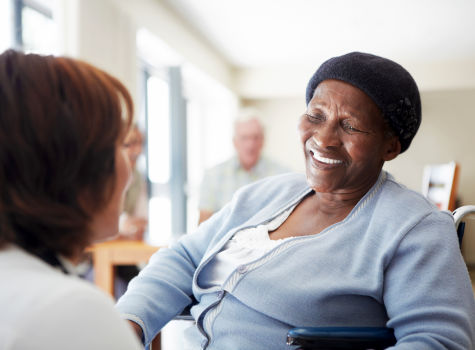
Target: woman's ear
pixel 393 148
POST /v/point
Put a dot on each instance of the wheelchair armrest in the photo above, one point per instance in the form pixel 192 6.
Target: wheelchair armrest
pixel 459 214
pixel 333 338
pixel 185 314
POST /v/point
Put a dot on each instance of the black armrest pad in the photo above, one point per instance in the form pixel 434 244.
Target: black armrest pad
pixel 355 338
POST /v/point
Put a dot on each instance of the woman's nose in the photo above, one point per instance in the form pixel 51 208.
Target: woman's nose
pixel 327 136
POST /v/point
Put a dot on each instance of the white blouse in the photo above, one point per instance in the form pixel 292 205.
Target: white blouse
pixel 246 246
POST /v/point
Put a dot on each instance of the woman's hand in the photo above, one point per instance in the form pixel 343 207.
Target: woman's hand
pixel 133 228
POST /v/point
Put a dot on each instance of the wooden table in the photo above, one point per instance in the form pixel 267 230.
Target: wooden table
pixel 107 255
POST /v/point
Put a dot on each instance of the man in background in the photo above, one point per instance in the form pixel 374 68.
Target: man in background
pixel 246 166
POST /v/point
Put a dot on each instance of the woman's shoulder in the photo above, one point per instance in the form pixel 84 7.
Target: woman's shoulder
pixel 39 285
pixel 403 204
pixel 400 194
pixel 74 312
pixel 57 310
pixel 77 316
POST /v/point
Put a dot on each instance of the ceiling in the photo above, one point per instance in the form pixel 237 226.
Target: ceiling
pixel 255 33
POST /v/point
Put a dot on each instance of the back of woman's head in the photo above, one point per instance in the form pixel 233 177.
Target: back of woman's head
pixel 60 122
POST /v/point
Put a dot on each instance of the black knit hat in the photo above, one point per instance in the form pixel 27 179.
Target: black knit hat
pixel 387 83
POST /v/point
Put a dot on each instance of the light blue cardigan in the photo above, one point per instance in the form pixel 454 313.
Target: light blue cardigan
pixel 393 261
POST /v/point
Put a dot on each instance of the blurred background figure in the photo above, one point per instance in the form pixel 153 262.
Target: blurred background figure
pixel 134 219
pixel 246 166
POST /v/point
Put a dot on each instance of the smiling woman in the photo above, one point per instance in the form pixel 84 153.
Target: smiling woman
pixel 344 246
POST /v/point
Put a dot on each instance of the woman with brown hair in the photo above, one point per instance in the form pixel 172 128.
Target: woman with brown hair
pixel 63 174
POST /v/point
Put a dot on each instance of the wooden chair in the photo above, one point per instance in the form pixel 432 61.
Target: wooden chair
pixel 439 184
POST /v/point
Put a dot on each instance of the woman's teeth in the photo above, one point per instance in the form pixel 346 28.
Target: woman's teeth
pixel 326 160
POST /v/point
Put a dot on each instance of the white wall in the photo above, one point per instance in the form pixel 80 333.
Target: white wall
pixel 100 33
pixel 103 32
pixel 446 134
pixel 290 80
pixel 162 22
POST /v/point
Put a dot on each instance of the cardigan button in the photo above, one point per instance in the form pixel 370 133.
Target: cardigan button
pixel 242 269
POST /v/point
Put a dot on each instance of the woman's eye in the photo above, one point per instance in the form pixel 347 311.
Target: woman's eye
pixel 350 128
pixel 314 118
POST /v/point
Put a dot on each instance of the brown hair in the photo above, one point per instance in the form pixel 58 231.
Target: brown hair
pixel 60 122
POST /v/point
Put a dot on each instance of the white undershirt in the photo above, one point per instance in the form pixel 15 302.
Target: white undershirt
pixel 246 245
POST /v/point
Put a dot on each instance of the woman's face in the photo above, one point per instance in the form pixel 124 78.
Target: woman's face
pixel 343 136
pixel 105 223
pixel 133 143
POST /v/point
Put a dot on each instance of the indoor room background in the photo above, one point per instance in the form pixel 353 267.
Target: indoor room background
pixel 173 68
pixel 192 64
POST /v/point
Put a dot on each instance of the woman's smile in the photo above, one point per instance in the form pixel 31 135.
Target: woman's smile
pixel 323 161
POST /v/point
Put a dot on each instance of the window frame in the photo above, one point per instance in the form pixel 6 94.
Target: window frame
pixel 18 6
pixel 175 188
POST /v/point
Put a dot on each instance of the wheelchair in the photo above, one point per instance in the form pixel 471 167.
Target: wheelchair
pixel 358 338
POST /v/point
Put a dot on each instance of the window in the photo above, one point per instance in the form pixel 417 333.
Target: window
pixel 188 117
pixel 35 28
pixel 158 110
pixel 165 121
pixel 6 25
pixel 158 158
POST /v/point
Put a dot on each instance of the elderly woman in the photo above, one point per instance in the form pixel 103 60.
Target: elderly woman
pixel 345 245
pixel 63 173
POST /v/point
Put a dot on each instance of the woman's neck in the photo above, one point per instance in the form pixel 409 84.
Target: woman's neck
pixel 344 199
